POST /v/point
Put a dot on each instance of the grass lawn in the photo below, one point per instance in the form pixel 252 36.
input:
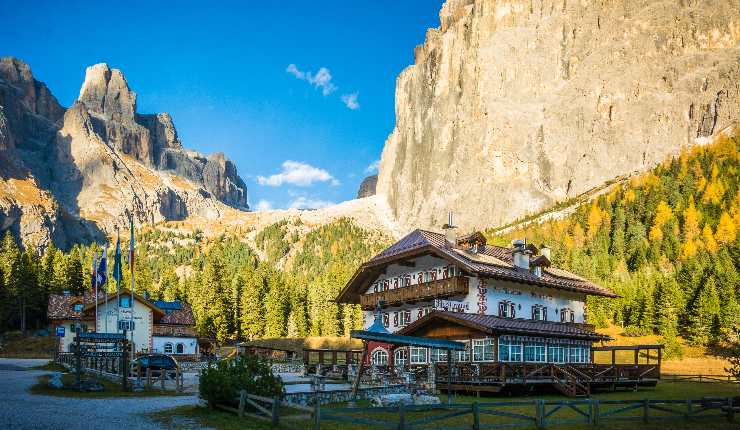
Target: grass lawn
pixel 51 367
pixel 666 391
pixel 112 389
pixel 15 345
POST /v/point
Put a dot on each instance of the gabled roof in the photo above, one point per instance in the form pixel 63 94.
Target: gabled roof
pixel 487 261
pixel 112 296
pixel 62 306
pixel 491 324
pixel 183 315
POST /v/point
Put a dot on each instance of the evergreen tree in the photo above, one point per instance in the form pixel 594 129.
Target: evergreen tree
pixel 704 310
pixel 276 305
pixel 253 292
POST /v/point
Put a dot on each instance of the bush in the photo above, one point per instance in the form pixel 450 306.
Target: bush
pixel 636 331
pixel 221 383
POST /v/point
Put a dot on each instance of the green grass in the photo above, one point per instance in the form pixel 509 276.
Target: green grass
pixel 666 391
pixel 112 389
pixel 50 367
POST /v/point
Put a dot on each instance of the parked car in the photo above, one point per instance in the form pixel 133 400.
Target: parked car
pixel 156 362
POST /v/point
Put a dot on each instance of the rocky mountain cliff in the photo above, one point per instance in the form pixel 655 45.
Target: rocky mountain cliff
pixel 512 106
pixel 367 187
pixel 77 173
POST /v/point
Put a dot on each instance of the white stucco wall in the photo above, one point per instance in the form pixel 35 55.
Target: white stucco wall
pixel 190 344
pixel 483 296
pixel 142 322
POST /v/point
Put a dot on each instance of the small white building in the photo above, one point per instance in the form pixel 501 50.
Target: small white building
pixel 157 326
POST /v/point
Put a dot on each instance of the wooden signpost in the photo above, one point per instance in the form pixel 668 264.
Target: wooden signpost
pixel 102 345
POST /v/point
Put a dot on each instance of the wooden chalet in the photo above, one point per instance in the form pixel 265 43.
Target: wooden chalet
pixel 521 320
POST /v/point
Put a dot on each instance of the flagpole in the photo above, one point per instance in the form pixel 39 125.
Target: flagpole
pixel 131 266
pixel 117 275
pixel 105 291
pixel 95 284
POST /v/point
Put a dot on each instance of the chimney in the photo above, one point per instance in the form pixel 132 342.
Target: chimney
pixel 449 229
pixel 544 250
pixel 520 254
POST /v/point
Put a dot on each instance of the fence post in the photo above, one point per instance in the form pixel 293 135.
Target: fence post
pixel 275 410
pixel 316 414
pixel 596 411
pixel 162 377
pixel 540 414
pixel 688 408
pixel 242 402
pixel 730 410
pixel 476 416
pixel 401 416
pixel 645 410
pixel 149 377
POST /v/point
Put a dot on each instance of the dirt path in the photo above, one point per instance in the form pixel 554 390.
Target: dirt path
pixel 20 409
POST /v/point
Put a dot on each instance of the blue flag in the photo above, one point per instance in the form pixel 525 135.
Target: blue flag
pixel 117 271
pixel 102 269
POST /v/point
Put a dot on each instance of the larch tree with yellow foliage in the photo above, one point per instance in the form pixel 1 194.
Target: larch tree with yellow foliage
pixel 726 229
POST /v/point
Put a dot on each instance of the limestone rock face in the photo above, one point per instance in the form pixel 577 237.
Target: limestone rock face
pixel 77 174
pixel 367 187
pixel 514 105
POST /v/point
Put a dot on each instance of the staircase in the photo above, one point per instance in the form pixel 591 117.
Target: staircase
pixel 565 381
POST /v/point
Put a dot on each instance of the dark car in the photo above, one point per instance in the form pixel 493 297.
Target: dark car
pixel 156 362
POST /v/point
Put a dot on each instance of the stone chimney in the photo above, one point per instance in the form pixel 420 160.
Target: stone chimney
pixel 449 229
pixel 520 254
pixel 544 250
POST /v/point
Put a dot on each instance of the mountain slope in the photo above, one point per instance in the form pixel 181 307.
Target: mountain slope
pixel 666 241
pixel 70 175
pixel 513 106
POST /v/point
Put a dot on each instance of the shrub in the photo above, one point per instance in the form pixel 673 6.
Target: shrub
pixel 221 383
pixel 636 331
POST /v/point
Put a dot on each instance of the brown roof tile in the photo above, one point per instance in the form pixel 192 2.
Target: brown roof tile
pixel 496 325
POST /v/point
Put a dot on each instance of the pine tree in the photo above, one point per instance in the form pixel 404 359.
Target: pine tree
pixel 703 312
pixel 253 291
pixel 276 306
pixel 710 244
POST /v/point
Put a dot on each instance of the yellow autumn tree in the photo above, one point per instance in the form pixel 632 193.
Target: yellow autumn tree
pixel 708 237
pixel 663 213
pixel 726 229
pixel 595 216
pixel 691 221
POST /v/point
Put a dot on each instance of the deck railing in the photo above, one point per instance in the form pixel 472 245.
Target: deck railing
pixel 413 293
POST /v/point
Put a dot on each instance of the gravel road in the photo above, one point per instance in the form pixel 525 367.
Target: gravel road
pixel 21 410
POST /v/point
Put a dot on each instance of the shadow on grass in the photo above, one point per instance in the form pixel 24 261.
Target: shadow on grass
pixel 111 389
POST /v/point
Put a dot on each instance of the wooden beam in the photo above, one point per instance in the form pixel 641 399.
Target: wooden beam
pixel 360 369
pixel 407 263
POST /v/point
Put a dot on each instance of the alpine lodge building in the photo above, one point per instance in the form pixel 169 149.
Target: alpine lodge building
pixel 521 320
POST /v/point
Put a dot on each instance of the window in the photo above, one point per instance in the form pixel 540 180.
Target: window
pixel 539 313
pixel 380 357
pixel 509 349
pixel 180 349
pixel 386 321
pixel 534 352
pixel 78 307
pixel 578 354
pixel 168 348
pixel 556 353
pixel 506 309
pixel 401 357
pixel 395 319
pixel 405 318
pixel 483 349
pixel 418 355
pixel 126 325
pixel 572 316
pixel 436 355
pixel 464 355
pixel 124 302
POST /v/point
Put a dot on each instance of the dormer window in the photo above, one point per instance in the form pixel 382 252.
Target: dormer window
pixel 124 302
pixel 77 307
pixel 506 309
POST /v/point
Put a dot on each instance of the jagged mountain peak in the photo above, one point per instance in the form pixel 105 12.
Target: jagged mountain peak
pixel 105 91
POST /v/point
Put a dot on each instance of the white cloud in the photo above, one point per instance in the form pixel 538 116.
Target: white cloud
pixel 263 205
pixel 309 203
pixel 373 167
pixel 297 173
pixel 350 100
pixel 322 78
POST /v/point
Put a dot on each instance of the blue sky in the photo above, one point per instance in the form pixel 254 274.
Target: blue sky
pixel 300 135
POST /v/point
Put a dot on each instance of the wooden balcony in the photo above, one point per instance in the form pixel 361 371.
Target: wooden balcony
pixel 441 288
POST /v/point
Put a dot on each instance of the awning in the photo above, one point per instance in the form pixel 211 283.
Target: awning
pixel 396 339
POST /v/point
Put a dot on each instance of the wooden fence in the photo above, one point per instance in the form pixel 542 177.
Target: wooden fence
pixel 107 366
pixel 539 414
pixel 727 379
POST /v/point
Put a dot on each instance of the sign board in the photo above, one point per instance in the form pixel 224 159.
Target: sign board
pixel 60 331
pixel 101 337
pixel 102 354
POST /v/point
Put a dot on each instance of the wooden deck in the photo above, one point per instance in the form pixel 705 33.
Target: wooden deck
pixel 570 379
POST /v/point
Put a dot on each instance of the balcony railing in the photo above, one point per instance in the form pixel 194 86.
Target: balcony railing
pixel 448 287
